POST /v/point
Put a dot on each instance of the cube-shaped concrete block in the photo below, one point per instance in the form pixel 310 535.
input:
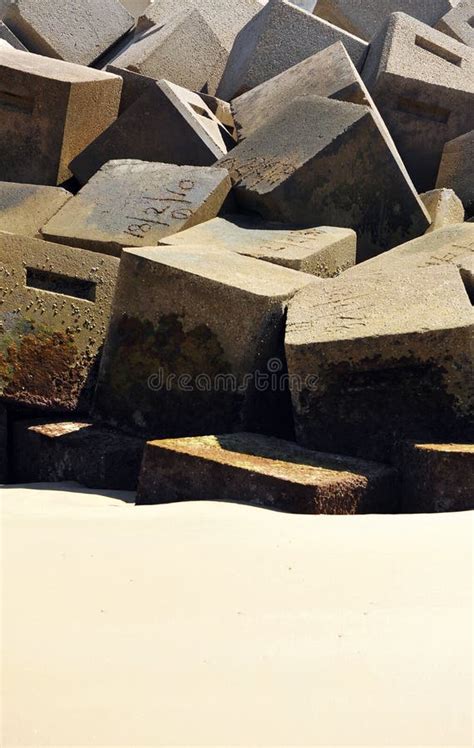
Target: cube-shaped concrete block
pixel 280 36
pixel 54 311
pixel 76 31
pixel 51 111
pixel 326 162
pixel 386 356
pixel 459 23
pixel 325 251
pixel 24 208
pixel 263 471
pixel 444 207
pixel 137 203
pixel 190 134
pixel 50 452
pixel 422 81
pixel 456 169
pixel 195 344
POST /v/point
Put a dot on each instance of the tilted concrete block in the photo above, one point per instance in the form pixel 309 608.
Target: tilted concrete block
pixel 325 251
pixel 365 17
pixel 54 310
pixel 444 207
pixel 296 35
pixel 51 110
pixel 76 31
pixel 386 356
pixel 198 349
pixel 190 134
pixel 326 162
pixel 423 84
pixel 137 203
pixel 436 477
pixel 459 23
pixel 456 169
pixel 165 51
pixel 134 85
pixel 49 452
pixel 263 471
pixel 24 208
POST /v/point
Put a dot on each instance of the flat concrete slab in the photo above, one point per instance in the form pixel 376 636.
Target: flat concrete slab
pixel 24 208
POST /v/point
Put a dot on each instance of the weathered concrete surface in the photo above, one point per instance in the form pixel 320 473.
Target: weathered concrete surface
pixel 7 35
pixel 466 268
pixel 136 7
pixel 326 162
pixel 388 356
pixel 137 203
pixel 458 23
pixel 296 35
pixel 456 169
pixel 325 251
pixel 3 444
pixel 365 17
pixel 190 134
pixel 75 451
pixel 74 30
pixel 184 355
pixel 445 246
pixel 444 207
pixel 166 51
pixel 134 85
pixel 263 471
pixel 436 477
pixel 423 84
pixel 54 311
pixel 24 208
pixel 51 110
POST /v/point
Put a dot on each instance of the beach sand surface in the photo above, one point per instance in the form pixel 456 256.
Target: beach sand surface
pixel 214 624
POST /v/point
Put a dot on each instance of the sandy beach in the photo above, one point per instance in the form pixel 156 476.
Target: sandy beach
pixel 219 624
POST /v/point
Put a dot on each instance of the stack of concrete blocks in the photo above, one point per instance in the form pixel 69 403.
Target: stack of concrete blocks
pixel 459 23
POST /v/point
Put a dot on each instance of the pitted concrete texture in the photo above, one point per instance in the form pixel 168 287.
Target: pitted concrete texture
pixel 24 208
pixel 437 477
pixel 324 251
pixel 365 17
pixel 165 51
pixel 190 134
pixel 45 451
pixel 51 110
pixel 326 162
pixel 444 207
pixel 459 23
pixel 137 203
pixel 54 312
pixel 77 31
pixel 386 356
pixel 263 471
pixel 446 246
pixel 423 84
pixel 199 348
pixel 456 169
pixel 294 33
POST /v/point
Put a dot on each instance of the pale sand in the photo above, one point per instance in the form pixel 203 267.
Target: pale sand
pixel 217 624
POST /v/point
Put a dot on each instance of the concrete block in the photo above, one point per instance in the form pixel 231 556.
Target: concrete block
pixel 134 85
pixel 24 208
pixel 199 349
pixel 54 311
pixel 76 31
pixel 423 84
pixel 466 268
pixel 51 111
pixel 436 477
pixel 456 169
pixel 296 35
pixel 386 356
pixel 137 7
pixel 7 35
pixel 326 162
pixel 446 246
pixel 444 207
pixel 263 471
pixel 50 452
pixel 365 19
pixel 190 134
pixel 325 251
pixel 222 111
pixel 137 203
pixel 459 23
